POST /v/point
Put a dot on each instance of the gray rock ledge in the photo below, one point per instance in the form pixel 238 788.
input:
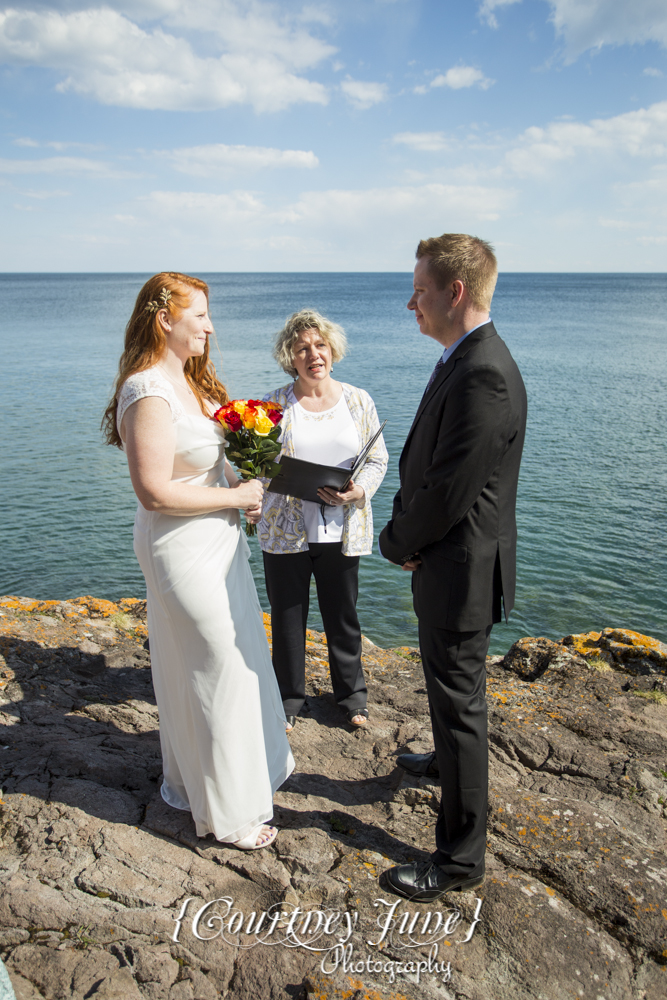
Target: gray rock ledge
pixel 96 867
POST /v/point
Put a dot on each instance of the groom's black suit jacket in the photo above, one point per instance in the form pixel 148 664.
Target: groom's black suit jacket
pixel 459 471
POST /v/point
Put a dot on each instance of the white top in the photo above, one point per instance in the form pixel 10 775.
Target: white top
pixel 199 455
pixel 282 528
pixel 329 437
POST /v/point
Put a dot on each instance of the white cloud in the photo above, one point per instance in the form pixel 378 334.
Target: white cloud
pixel 421 141
pixel 363 94
pixel 311 14
pixel 354 209
pixel 622 224
pixel 59 146
pixel 43 195
pixel 487 8
pixel 342 208
pixel 459 77
pixel 242 26
pixel 322 222
pixel 590 24
pixel 62 165
pixel 641 133
pixel 648 195
pixel 236 206
pixel 207 161
pixel 650 71
pixel 106 55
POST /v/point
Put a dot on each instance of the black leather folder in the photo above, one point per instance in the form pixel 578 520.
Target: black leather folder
pixel 303 479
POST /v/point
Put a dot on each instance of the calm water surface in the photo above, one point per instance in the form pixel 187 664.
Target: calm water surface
pixel 592 511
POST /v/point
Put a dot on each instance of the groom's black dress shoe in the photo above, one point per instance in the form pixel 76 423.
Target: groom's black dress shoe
pixel 424 765
pixel 425 881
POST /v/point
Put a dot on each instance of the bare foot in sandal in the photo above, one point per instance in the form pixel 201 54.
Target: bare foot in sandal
pixel 261 836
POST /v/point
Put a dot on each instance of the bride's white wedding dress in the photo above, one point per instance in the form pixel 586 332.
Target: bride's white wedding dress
pixel 222 726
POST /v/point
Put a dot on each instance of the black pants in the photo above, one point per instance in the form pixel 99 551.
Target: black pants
pixel 287 585
pixel 455 670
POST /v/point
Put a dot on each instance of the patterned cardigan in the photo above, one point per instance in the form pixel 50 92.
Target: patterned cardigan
pixel 282 528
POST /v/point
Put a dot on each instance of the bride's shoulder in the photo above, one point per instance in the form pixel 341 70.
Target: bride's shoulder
pixel 150 382
pixel 141 381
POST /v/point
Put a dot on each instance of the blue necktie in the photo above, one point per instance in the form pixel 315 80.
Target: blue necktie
pixel 434 373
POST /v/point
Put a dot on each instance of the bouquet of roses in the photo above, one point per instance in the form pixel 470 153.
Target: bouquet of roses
pixel 252 431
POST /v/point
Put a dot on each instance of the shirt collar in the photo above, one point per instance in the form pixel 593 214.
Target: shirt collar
pixel 448 351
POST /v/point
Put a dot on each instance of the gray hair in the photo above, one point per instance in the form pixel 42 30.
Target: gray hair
pixel 307 319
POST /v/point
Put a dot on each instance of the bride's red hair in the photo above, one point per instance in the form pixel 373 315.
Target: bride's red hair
pixel 145 344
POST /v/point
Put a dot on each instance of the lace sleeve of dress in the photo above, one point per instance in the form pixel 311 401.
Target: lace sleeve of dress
pixel 147 383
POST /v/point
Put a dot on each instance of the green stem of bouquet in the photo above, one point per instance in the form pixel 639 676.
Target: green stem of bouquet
pixel 250 529
pixel 243 448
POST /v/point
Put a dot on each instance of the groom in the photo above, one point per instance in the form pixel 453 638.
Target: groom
pixel 453 526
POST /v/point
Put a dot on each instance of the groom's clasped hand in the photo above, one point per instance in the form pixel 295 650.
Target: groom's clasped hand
pixel 226 702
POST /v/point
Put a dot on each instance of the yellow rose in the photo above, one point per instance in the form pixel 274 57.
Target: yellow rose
pixel 262 423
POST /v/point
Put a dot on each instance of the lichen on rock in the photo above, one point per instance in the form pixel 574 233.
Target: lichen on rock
pixel 96 867
pixel 621 648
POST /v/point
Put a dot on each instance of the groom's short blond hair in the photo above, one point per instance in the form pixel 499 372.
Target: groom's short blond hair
pixel 458 257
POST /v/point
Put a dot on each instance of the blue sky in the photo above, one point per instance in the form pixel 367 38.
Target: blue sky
pixel 243 135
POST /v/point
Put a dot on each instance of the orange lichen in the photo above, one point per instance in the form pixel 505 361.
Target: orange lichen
pixel 319 988
pixel 630 638
pixel 586 644
pixel 617 646
pixel 97 607
pixel 128 603
pixel 18 603
pixel 6 675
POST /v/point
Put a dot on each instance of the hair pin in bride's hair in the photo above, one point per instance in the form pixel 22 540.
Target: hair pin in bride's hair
pixel 154 306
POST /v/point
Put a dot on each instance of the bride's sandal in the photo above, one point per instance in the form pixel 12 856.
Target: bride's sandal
pixel 250 843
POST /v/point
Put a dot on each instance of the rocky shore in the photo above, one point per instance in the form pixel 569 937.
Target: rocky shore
pixel 105 888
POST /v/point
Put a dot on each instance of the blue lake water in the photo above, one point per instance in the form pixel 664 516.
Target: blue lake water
pixel 592 512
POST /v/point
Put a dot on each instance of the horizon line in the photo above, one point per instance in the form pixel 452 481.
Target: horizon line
pixel 9 274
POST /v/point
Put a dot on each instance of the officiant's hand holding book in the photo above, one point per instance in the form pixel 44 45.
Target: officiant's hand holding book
pixel 338 498
pixel 309 480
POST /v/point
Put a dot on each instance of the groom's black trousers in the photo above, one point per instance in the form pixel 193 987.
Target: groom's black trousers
pixel 288 589
pixel 455 670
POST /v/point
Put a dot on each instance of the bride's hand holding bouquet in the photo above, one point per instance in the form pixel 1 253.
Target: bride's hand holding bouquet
pixel 252 430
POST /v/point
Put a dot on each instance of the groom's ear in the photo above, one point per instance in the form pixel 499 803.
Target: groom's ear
pixel 457 290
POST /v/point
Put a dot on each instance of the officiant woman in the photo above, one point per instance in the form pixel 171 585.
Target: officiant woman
pixel 327 422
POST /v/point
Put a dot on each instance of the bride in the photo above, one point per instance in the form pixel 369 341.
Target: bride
pixel 222 726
